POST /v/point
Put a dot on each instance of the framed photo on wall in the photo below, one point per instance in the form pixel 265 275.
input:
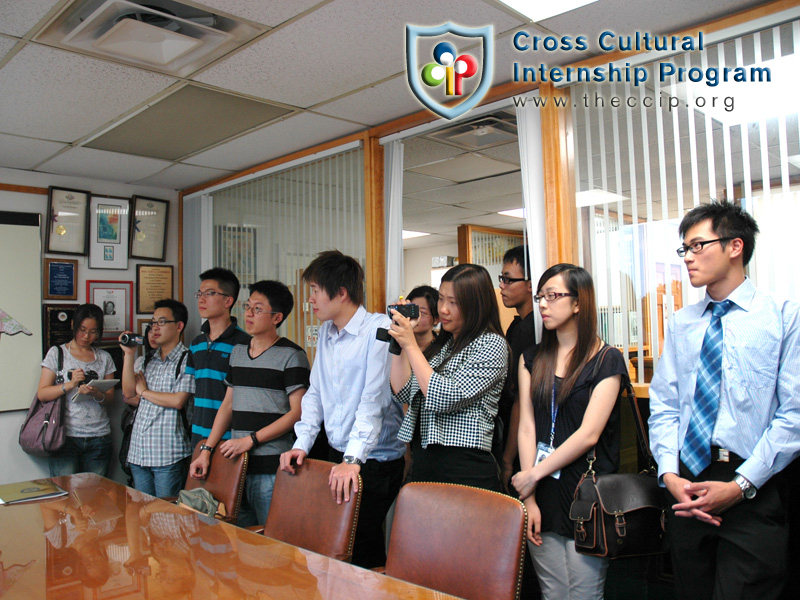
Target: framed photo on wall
pixel 108 232
pixel 57 324
pixel 60 279
pixel 153 283
pixel 68 221
pixel 116 300
pixel 149 228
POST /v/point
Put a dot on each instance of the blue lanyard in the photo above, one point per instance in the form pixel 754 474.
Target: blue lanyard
pixel 553 414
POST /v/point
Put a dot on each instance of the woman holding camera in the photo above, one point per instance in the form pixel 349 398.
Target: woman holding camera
pixel 88 444
pixel 453 396
pixel 568 385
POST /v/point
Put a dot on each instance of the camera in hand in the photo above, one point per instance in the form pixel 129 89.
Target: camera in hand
pixel 409 311
pixel 131 339
pixel 90 376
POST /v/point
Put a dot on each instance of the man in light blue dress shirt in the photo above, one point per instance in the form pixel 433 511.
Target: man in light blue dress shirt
pixel 728 529
pixel 350 393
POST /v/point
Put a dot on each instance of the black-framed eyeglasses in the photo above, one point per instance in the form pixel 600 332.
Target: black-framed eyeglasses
pixel 550 296
pixel 160 323
pixel 257 310
pixel 506 280
pixel 697 247
pixel 208 294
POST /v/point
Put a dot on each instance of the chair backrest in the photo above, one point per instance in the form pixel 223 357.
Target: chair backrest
pixel 459 540
pixel 303 513
pixel 225 480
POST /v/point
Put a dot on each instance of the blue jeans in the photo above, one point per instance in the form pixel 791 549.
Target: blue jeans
pixel 256 500
pixel 82 455
pixel 163 482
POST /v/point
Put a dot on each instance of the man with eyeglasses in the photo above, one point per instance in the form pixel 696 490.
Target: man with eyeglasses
pixel 159 441
pixel 266 381
pixel 211 349
pixel 725 416
pixel 516 290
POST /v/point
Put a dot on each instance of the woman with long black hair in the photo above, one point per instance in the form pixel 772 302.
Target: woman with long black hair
pixel 453 396
pixel 569 385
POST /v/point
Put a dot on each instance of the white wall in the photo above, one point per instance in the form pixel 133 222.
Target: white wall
pixel 16 465
pixel 417 264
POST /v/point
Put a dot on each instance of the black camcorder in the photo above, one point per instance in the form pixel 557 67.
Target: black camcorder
pixel 131 339
pixel 409 311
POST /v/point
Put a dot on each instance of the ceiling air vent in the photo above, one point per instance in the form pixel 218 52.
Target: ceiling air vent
pixel 482 133
pixel 163 35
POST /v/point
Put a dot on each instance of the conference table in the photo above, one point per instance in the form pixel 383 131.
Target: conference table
pixel 104 540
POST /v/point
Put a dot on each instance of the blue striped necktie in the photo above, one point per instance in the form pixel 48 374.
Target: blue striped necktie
pixel 696 451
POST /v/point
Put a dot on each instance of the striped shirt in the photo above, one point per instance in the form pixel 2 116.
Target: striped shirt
pixel 759 405
pixel 208 363
pixel 159 438
pixel 261 388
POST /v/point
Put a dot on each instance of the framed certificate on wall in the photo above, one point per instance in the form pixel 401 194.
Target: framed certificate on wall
pixel 68 221
pixel 60 279
pixel 116 300
pixel 149 228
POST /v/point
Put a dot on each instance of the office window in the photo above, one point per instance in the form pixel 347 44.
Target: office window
pixel 645 155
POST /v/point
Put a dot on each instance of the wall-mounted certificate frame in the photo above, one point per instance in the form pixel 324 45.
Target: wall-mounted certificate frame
pixel 115 298
pixel 153 283
pixel 60 279
pixel 57 324
pixel 108 232
pixel 149 228
pixel 68 221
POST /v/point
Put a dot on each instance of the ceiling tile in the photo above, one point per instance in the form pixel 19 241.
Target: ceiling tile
pixel 412 205
pixel 185 122
pixel 476 190
pixel 267 12
pixel 655 16
pixel 429 240
pixel 20 16
pixel 100 164
pixel 298 65
pixel 287 136
pixel 506 152
pixel 442 213
pixel 179 177
pixel 414 182
pixel 496 220
pixel 25 153
pixel 420 151
pixel 509 202
pixel 6 44
pixel 375 105
pixel 63 96
pixel 466 167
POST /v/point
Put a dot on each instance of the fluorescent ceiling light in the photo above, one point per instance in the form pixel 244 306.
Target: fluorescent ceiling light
pixel 407 235
pixel 597 197
pixel 517 213
pixel 536 10
pixel 795 160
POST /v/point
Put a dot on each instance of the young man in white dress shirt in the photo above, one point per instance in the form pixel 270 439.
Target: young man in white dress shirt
pixel 350 393
pixel 725 416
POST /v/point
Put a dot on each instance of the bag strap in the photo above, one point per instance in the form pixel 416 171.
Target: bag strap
pixel 59 364
pixel 601 356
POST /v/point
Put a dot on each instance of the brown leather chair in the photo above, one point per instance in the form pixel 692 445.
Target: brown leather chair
pixel 225 480
pixel 304 514
pixel 459 540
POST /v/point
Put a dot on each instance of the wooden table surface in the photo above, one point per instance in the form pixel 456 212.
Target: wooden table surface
pixel 108 541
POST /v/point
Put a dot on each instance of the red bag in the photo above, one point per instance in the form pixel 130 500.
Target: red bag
pixel 44 430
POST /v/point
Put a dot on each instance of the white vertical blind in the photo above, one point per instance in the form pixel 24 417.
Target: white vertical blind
pixel 271 227
pixel 638 170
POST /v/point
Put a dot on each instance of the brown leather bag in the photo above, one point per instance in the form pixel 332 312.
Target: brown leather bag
pixel 620 514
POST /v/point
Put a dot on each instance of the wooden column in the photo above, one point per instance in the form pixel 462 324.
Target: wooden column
pixel 375 270
pixel 559 188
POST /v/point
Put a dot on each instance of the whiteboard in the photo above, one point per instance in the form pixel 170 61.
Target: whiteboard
pixel 20 297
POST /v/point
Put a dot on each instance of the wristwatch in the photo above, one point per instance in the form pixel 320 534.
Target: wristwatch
pixel 206 447
pixel 748 489
pixel 352 460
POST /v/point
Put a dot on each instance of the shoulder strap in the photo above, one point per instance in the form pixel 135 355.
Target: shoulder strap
pixel 60 357
pixel 180 362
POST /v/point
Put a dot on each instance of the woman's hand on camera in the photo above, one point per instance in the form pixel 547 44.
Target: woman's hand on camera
pixel 402 330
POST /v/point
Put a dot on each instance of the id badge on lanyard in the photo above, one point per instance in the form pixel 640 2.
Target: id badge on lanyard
pixel 544 450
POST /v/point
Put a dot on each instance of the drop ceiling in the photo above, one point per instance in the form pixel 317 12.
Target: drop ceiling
pixel 282 75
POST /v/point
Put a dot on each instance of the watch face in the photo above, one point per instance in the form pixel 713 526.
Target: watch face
pixel 750 493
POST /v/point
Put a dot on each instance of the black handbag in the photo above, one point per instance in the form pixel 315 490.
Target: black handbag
pixel 621 514
pixel 44 431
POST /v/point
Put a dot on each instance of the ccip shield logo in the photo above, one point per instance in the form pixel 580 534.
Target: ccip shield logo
pixel 449 69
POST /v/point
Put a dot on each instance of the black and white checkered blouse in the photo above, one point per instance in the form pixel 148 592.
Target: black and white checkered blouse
pixel 461 404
